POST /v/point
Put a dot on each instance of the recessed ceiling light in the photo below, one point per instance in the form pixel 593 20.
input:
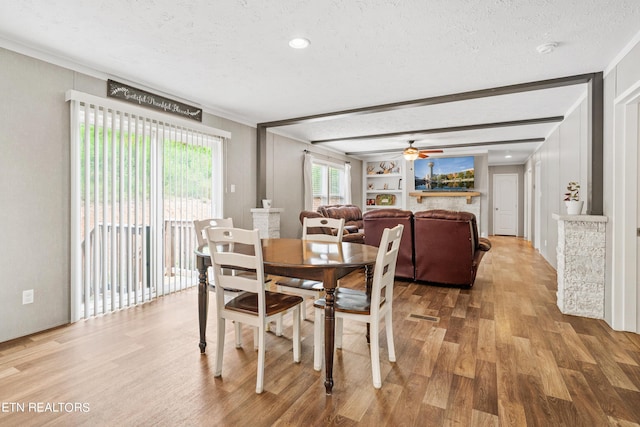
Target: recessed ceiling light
pixel 508 156
pixel 299 43
pixel 547 47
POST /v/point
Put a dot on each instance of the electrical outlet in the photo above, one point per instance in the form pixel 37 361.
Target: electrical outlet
pixel 27 296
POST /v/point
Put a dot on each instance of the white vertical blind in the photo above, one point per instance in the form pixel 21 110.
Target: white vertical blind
pixel 138 182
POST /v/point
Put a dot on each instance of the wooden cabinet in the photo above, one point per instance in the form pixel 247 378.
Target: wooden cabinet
pixel 384 184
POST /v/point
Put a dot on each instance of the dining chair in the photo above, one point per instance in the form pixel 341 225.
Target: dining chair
pixel 201 224
pixel 323 229
pixel 327 230
pixel 358 305
pixel 233 250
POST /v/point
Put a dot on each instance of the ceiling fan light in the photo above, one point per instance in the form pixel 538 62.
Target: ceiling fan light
pixel 411 153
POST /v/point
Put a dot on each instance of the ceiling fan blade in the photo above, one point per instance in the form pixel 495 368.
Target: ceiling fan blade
pixel 431 151
pixel 422 155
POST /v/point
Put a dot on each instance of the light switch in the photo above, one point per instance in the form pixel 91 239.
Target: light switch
pixel 27 296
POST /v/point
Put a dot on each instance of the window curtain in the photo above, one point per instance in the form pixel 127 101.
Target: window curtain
pixel 308 181
pixel 347 183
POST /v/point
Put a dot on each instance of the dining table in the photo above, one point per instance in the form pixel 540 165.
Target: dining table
pixel 306 259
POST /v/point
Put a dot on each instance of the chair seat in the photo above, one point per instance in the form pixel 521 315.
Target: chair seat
pixel 309 285
pixel 275 303
pixel 350 301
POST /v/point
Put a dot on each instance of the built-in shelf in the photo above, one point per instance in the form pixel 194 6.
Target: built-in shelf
pixel 384 191
pixel 383 181
pixel 384 175
pixel 467 194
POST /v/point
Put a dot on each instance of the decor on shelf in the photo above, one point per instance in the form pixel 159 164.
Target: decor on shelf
pixel 385 200
pixel 572 199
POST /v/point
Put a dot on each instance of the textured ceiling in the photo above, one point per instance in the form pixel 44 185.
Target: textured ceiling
pixel 232 57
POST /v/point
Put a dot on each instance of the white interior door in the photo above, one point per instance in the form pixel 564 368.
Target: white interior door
pixel 505 204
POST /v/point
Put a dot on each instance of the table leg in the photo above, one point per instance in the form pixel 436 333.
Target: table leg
pixel 368 272
pixel 329 326
pixel 203 304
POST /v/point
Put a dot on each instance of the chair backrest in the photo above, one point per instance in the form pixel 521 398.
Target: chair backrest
pixel 445 246
pixel 238 250
pixel 384 271
pixel 201 224
pixel 334 229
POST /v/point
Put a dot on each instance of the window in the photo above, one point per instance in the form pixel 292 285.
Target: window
pixel 328 184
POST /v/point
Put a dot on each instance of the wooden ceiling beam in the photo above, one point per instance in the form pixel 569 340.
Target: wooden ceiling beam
pixel 479 126
pixel 463 145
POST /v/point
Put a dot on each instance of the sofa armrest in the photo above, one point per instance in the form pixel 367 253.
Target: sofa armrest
pixel 351 229
pixel 484 244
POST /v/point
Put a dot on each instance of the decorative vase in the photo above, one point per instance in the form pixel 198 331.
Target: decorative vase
pixel 574 207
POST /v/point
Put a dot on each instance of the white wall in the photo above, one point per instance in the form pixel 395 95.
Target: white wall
pixel 285 186
pixel 562 160
pixel 622 293
pixel 34 194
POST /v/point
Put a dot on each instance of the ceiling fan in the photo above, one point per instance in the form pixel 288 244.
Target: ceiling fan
pixel 412 153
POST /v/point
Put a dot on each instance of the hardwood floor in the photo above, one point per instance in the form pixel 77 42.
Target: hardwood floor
pixel 499 353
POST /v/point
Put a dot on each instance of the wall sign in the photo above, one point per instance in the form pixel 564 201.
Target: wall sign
pixel 157 102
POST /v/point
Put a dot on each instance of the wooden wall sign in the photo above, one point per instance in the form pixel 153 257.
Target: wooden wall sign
pixel 157 102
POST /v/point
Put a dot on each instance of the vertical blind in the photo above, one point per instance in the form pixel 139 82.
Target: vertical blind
pixel 138 181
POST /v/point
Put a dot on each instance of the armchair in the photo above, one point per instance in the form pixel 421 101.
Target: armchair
pixel 447 247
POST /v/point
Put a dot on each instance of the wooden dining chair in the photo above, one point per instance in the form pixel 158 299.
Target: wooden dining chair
pixel 323 229
pixel 328 230
pixel 201 224
pixel 233 250
pixel 358 305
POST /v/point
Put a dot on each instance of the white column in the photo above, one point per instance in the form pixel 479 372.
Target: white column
pixel 267 221
pixel 581 264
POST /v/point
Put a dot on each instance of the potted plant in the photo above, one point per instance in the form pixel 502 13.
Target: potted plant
pixel 572 199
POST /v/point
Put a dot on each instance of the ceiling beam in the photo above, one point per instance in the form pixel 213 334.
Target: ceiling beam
pixel 442 99
pixel 464 145
pixel 552 119
pixel 595 172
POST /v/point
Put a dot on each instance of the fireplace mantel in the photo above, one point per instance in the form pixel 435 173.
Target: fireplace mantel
pixel 467 194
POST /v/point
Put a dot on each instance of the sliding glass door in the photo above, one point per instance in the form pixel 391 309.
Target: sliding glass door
pixel 137 185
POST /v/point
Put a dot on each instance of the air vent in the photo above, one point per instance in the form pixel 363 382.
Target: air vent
pixel 422 317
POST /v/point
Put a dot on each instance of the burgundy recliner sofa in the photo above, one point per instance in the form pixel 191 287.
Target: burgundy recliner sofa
pixel 374 224
pixel 448 249
pixel 350 236
pixel 437 246
pixel 352 215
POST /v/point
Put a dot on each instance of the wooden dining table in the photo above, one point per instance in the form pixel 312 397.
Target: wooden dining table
pixel 305 259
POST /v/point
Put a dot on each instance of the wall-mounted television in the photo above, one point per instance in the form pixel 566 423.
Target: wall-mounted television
pixel 444 173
